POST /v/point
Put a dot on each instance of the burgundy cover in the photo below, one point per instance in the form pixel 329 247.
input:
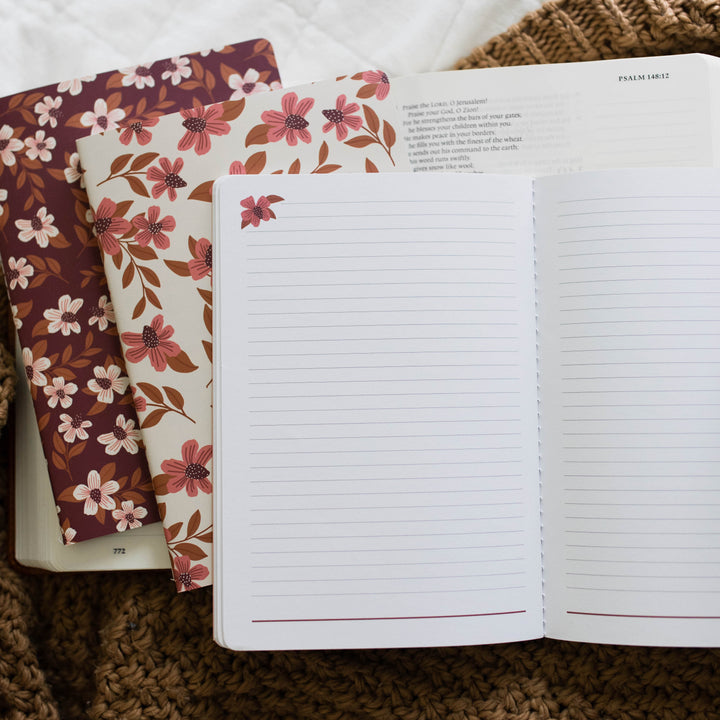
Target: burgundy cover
pixel 54 271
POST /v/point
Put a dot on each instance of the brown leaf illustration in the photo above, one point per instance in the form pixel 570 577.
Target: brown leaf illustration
pixel 192 551
pixel 151 392
pixel 324 169
pixel 119 163
pixel 178 267
pixel 193 523
pixel 323 153
pixel 181 363
pixel 137 186
pixel 153 418
pixel 370 166
pixel 360 142
pixel 257 136
pixel 371 118
pixel 255 163
pixel 232 109
pixel 175 397
pixel 202 192
pixel 388 134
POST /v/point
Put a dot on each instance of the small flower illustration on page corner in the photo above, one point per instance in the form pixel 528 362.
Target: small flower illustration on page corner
pixel 258 210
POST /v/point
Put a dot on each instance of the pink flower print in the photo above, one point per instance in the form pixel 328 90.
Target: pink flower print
pixel 200 123
pixel 276 85
pixel 16 320
pixel 60 392
pixel 96 494
pixel 9 145
pixel 75 85
pixel 3 198
pixel 74 428
pixel 138 130
pixel 381 82
pixel 201 264
pixel 139 76
pixel 237 168
pixel 175 69
pixel 153 342
pixel 138 400
pixel 40 228
pixel 107 382
pixel 101 119
pixel 190 473
pixel 103 313
pixel 108 227
pixel 48 111
pixel 73 173
pixel 128 516
pixel 166 177
pixel 245 85
pixel 64 318
pixel 256 211
pixel 186 574
pixel 205 53
pixel 40 146
pixel 68 536
pixel 18 272
pixel 35 369
pixel 122 436
pixel 341 118
pixel 152 229
pixel 290 123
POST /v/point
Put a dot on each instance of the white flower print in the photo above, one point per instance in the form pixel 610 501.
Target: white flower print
pixel 73 173
pixel 139 76
pixel 73 427
pixel 48 111
pixel 34 369
pixel 64 318
pixel 122 436
pixel 75 85
pixel 40 146
pixel 128 516
pixel 9 145
pixel 95 494
pixel 103 314
pixel 40 228
pixel 107 382
pixel 246 85
pixel 60 392
pixel 102 119
pixel 176 69
pixel 18 272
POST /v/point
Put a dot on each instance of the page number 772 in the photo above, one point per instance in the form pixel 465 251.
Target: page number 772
pixel 118 551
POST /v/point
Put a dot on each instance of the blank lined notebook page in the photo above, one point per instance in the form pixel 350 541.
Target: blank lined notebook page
pixel 629 266
pixel 376 411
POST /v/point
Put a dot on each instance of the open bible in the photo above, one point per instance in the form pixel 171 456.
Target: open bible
pixel 464 409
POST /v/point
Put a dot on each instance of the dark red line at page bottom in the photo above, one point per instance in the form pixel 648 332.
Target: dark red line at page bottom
pixel 409 617
pixel 650 617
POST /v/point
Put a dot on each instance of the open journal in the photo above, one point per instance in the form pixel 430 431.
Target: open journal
pixel 536 120
pixel 465 409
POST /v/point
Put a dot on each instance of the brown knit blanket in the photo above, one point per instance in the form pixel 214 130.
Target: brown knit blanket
pixel 127 646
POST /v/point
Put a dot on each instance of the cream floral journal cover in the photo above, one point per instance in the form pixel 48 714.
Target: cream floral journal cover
pixel 153 220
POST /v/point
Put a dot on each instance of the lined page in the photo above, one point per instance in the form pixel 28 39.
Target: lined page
pixel 629 266
pixel 376 416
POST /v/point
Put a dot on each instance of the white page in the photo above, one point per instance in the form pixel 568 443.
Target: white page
pixel 547 119
pixel 629 271
pixel 375 413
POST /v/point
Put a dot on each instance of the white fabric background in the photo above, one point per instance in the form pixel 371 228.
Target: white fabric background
pixel 46 41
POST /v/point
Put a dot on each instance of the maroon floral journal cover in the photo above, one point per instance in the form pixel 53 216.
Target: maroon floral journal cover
pixel 54 271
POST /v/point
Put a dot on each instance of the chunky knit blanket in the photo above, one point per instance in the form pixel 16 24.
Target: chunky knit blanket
pixel 127 646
